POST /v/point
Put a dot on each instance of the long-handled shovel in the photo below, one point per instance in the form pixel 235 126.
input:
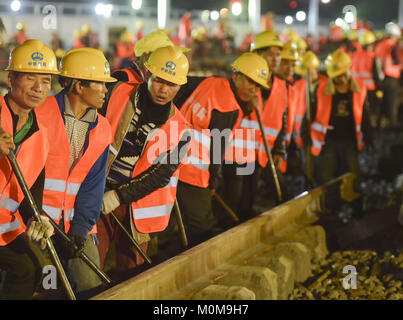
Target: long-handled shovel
pixel 134 242
pixel 37 214
pixel 180 223
pixel 268 152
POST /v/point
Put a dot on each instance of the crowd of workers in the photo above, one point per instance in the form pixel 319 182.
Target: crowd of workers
pixel 112 156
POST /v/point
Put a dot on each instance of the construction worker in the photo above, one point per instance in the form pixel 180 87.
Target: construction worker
pixel 185 29
pixel 341 127
pixel 20 36
pixel 310 63
pixel 76 165
pixel 366 66
pixel 124 52
pixel 29 80
pixel 268 45
pixel 215 107
pixel 387 50
pixel 286 72
pixel 147 130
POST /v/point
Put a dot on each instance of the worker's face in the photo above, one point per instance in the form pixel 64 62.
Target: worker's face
pixel 161 91
pixel 342 80
pixel 246 88
pixel 29 90
pixel 93 96
pixel 273 58
pixel 286 69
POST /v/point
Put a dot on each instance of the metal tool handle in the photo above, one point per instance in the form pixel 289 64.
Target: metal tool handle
pixel 181 226
pixel 53 254
pixel 134 242
pixel 225 206
pixel 83 256
pixel 268 152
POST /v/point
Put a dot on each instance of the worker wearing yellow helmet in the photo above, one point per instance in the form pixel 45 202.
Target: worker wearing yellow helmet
pixel 367 67
pixel 268 45
pixel 78 155
pixel 310 65
pixel 30 68
pixel 150 137
pixel 217 107
pixel 341 127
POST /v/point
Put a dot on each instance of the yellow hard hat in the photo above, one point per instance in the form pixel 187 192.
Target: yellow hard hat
pixel 266 39
pixel 169 63
pixel 153 41
pixel 127 36
pixel 337 63
pixel 253 66
pixel 289 52
pixel 301 44
pixel 310 61
pixel 33 56
pixel 85 29
pixel 59 52
pixel 21 26
pixel 87 64
pixel 367 38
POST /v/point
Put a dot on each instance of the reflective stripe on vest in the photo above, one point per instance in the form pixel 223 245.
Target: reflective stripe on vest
pixel 11 224
pixel 323 113
pixel 211 94
pixel 61 186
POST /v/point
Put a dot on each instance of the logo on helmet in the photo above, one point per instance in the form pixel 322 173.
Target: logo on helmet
pixel 169 67
pixel 37 56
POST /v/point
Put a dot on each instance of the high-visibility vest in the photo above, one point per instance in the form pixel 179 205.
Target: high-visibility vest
pixel 31 157
pixel 246 141
pixel 324 111
pixel 362 67
pixel 272 116
pixel 300 86
pixel 61 187
pixel 384 52
pixel 151 213
pixel 211 94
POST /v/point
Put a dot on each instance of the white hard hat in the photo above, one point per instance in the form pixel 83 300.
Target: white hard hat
pixel 392 29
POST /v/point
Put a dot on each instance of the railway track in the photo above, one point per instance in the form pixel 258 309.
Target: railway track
pixel 267 257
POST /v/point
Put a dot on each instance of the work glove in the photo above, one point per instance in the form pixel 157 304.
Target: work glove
pixel 74 248
pixel 110 202
pixel 37 231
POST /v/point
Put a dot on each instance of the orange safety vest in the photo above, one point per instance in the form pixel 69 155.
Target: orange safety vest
pixel 246 142
pixel 61 187
pixel 11 195
pixel 324 110
pixel 300 86
pixel 384 52
pixel 212 94
pixel 362 67
pixel 272 116
pixel 124 50
pixel 151 213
